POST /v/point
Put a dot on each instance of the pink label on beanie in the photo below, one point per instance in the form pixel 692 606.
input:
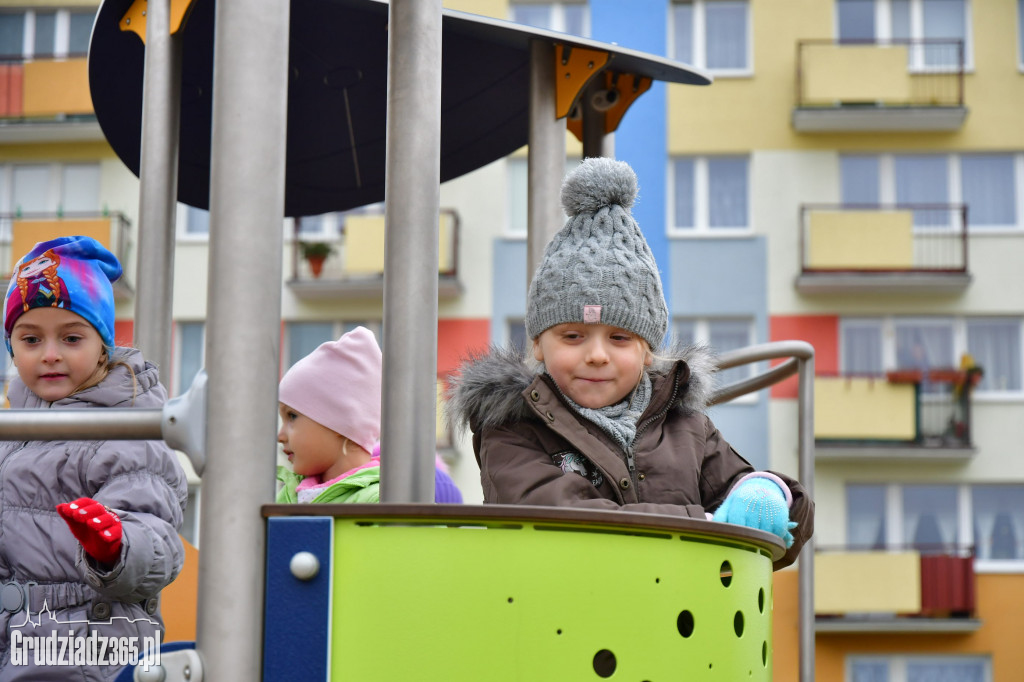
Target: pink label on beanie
pixel 592 314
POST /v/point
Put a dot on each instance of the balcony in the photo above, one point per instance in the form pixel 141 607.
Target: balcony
pixel 353 267
pixel 879 86
pixel 910 415
pixel 924 588
pixel 21 231
pixel 890 249
pixel 46 99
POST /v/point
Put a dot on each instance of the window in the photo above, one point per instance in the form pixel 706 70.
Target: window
pixel 713 35
pixel 46 33
pixel 924 668
pixel 932 26
pixel 517 334
pixel 193 223
pixel 326 225
pixel 710 194
pixel 190 354
pixel 988 517
pixel 721 335
pixel 49 188
pixel 302 338
pixel 567 17
pixel 874 346
pixel 985 183
pixel 518 192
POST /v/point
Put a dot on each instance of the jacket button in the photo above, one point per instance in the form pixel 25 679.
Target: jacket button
pixel 534 396
pixel 151 605
pixel 550 417
pixel 101 610
pixel 642 476
pixel 624 483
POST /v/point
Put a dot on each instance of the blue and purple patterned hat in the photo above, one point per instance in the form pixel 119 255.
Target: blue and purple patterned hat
pixel 74 273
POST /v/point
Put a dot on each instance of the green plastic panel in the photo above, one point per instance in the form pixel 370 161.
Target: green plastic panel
pixel 546 601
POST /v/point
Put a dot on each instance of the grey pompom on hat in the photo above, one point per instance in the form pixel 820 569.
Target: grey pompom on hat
pixel 598 268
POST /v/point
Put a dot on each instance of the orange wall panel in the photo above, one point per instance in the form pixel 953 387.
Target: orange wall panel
pixel 821 331
pixel 124 332
pixel 457 339
pixel 10 89
pixel 57 87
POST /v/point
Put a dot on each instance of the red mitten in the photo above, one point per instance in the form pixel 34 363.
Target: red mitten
pixel 95 526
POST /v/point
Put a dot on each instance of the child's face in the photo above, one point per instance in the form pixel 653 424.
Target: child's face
pixel 594 364
pixel 56 351
pixel 312 448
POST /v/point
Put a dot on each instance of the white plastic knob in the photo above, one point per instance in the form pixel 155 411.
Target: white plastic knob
pixel 304 565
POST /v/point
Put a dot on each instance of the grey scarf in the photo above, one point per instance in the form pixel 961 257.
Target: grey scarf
pixel 619 420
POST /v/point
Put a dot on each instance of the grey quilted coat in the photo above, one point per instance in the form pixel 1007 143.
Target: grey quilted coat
pixel 141 481
pixel 534 449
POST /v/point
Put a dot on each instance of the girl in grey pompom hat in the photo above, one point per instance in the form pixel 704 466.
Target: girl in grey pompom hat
pixel 596 419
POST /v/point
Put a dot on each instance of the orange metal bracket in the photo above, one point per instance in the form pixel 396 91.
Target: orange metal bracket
pixel 134 19
pixel 628 87
pixel 574 67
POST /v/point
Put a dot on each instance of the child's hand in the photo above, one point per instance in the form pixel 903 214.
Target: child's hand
pixel 758 503
pixel 97 528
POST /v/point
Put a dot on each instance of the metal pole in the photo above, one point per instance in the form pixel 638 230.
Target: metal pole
pixel 805 589
pixel 546 163
pixel 158 188
pixel 411 218
pixel 247 169
pixel 112 424
pixel 595 142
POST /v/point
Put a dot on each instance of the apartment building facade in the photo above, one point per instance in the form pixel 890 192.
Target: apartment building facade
pixel 853 178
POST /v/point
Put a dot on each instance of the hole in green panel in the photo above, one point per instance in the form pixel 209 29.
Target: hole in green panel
pixel 760 600
pixel 737 623
pixel 604 663
pixel 725 573
pixel 764 654
pixel 684 623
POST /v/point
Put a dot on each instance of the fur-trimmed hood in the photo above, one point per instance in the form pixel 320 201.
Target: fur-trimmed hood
pixel 488 390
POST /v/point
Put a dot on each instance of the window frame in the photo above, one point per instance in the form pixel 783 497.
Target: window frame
pixel 557 16
pixel 702 335
pixel 698 39
pixel 702 199
pixel 896 664
pixel 892 515
pixel 958 325
pixel 61 31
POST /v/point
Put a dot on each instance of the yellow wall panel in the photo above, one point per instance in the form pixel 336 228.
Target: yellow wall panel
pixel 364 244
pixel 855 73
pixel 497 9
pixel 863 408
pixel 27 233
pixel 867 582
pixel 53 87
pixel 861 239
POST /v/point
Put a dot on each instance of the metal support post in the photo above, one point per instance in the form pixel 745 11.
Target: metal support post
pixel 546 163
pixel 411 217
pixel 247 172
pixel 805 586
pixel 595 141
pixel 158 187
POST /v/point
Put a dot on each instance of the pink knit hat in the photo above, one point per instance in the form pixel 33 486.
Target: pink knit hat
pixel 338 386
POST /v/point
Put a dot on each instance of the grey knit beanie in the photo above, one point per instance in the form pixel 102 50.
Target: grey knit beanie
pixel 598 268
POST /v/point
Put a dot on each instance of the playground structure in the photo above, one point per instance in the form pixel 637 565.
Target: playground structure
pixel 223 423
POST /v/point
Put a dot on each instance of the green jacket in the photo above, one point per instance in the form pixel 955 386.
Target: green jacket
pixel 362 486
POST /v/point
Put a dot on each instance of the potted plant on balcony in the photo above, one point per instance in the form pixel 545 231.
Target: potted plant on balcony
pixel 316 253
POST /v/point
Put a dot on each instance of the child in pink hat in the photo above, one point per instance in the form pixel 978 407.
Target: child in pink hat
pixel 330 421
pixel 330 425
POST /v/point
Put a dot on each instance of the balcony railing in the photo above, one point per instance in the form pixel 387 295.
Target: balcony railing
pixel 354 264
pixel 912 84
pixel 910 413
pixel 883 248
pixel 40 89
pixel 915 588
pixel 19 232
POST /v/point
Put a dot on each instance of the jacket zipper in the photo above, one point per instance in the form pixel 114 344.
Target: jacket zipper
pixel 631 453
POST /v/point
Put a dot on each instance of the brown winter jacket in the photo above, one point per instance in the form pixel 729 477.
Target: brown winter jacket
pixel 534 449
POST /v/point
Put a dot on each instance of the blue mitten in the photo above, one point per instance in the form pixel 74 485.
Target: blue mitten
pixel 758 503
